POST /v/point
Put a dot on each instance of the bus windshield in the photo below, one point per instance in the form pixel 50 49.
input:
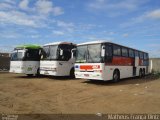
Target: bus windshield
pixel 32 55
pixel 50 52
pixel 89 53
pixel 25 55
pixel 17 55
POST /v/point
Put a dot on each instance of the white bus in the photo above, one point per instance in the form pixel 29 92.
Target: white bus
pixel 25 59
pixel 100 60
pixel 57 59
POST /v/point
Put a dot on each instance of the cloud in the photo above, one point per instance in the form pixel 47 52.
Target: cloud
pixel 10 1
pixel 57 11
pixel 152 35
pixel 9 35
pixel 46 7
pixel 58 33
pixel 154 53
pixel 111 33
pixel 154 45
pixel 155 14
pixel 5 6
pixel 125 35
pixel 115 8
pixel 36 15
pixel 108 4
pixel 66 26
pixel 24 4
pixel 42 7
pixel 18 18
pixel 35 36
pixel 147 16
pixel 6 49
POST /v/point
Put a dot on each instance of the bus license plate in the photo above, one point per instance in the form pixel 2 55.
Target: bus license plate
pixel 86 75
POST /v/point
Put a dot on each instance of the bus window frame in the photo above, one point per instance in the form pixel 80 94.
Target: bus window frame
pixel 119 55
pixel 130 54
pixel 127 55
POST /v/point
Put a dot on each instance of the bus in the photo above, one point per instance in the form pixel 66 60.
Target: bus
pixel 26 59
pixel 57 59
pixel 101 60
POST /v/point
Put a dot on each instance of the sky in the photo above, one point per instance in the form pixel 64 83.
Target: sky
pixel 133 23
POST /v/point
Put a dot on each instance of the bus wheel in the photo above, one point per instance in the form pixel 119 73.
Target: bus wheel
pixel 72 75
pixel 38 72
pixel 140 73
pixel 116 76
pixel 29 75
pixel 143 73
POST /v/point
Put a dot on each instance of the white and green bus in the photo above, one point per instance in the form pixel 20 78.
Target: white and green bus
pixel 26 59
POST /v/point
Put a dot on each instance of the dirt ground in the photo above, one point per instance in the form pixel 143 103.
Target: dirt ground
pixel 20 94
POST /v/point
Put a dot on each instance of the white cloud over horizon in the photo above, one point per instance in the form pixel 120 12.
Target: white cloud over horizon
pixel 47 7
pixel 24 4
pixel 35 16
pixel 41 21
pixel 147 16
pixel 115 8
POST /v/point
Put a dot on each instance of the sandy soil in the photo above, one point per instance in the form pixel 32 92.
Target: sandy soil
pixel 20 94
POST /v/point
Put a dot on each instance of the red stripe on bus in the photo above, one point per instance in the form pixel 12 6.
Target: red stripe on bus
pixel 90 67
pixel 124 61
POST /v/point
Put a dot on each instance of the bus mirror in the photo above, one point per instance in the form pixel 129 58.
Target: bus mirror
pixel 40 52
pixel 103 51
pixel 42 56
pixel 73 52
pixel 23 53
pixel 61 52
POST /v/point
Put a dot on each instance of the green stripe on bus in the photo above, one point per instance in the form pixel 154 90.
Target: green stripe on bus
pixel 28 47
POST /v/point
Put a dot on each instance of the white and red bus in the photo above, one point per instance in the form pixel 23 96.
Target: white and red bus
pixel 101 60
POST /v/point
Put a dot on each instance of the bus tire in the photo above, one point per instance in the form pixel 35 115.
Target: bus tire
pixel 140 73
pixel 72 75
pixel 116 76
pixel 38 72
pixel 144 72
pixel 29 75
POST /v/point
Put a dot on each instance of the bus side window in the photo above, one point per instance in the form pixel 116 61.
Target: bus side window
pixel 108 54
pixel 136 54
pixel 116 50
pixel 141 55
pixel 131 53
pixel 124 52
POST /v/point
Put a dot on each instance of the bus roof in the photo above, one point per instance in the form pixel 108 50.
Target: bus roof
pixel 58 43
pixel 29 46
pixel 103 41
pixel 94 42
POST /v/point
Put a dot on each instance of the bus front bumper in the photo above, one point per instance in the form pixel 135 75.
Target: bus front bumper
pixel 48 72
pixel 89 75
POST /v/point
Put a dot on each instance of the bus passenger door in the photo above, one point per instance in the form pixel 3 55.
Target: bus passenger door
pixel 136 64
pixel 67 62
